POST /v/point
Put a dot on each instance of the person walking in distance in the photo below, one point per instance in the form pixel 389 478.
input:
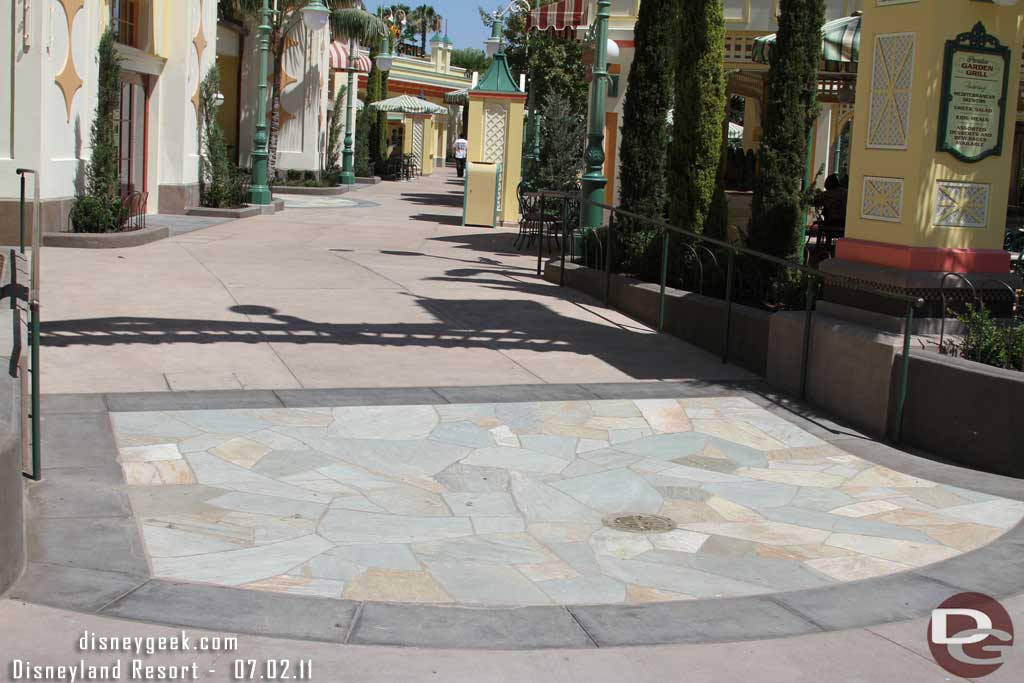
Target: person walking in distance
pixel 461 150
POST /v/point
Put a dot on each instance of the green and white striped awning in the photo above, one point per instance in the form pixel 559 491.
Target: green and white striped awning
pixel 405 104
pixel 457 97
pixel 840 42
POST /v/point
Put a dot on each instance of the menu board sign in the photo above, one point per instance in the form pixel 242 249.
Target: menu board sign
pixel 974 88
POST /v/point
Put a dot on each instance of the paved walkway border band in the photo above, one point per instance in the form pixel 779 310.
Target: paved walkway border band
pixel 122 588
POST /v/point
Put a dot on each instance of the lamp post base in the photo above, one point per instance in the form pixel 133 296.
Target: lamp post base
pixel 348 178
pixel 260 195
pixel 593 189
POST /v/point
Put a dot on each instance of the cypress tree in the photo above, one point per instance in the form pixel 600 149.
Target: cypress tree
pixel 645 134
pixel 699 110
pixel 377 90
pixel 790 111
pixel 98 206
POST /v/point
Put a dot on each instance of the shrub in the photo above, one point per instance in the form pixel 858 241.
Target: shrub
pixel 988 341
pixel 561 145
pixel 98 206
pixel 334 142
pixel 221 185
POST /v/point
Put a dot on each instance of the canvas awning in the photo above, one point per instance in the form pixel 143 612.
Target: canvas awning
pixel 340 58
pixel 564 16
pixel 840 42
pixel 404 104
pixel 457 97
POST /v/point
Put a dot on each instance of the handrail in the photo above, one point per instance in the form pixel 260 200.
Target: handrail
pixel 852 283
pixel 814 279
pixel 942 293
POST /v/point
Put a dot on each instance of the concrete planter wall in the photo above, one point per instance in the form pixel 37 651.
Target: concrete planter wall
pixel 104 240
pixel 247 211
pixel 12 522
pixel 698 319
pixel 962 411
pixel 965 412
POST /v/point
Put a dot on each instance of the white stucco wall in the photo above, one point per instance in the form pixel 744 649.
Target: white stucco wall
pixel 302 138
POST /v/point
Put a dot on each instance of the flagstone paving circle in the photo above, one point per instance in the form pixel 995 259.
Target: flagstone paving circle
pixel 505 504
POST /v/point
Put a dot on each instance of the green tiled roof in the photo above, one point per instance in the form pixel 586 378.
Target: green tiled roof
pixel 498 78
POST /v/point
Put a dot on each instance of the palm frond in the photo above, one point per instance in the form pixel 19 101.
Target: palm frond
pixel 350 23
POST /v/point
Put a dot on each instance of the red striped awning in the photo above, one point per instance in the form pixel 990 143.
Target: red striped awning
pixel 564 16
pixel 339 59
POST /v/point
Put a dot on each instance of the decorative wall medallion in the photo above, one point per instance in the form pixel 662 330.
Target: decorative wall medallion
pixel 199 42
pixel 68 79
pixel 961 205
pixel 882 199
pixel 891 84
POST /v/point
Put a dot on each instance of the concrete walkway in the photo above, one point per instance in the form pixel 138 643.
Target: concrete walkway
pixel 883 653
pixel 392 291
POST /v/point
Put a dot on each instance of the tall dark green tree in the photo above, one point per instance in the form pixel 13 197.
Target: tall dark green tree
pixel 98 206
pixel 645 134
pixel 790 110
pixel 377 90
pixel 699 110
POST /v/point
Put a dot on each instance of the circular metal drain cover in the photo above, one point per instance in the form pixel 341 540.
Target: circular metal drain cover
pixel 640 524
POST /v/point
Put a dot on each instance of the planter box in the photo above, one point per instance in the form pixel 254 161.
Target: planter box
pixel 964 412
pixel 697 319
pixel 372 180
pixel 105 240
pixel 248 211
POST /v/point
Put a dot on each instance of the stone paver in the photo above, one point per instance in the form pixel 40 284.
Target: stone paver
pixel 507 504
pixel 389 292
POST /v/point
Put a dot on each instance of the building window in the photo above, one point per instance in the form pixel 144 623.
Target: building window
pixel 124 14
pixel 131 134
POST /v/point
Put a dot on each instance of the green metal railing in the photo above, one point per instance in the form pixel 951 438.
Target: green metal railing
pixel 815 279
pixel 31 297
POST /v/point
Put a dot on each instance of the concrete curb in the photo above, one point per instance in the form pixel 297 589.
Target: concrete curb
pixel 105 240
pixel 102 572
pixel 248 211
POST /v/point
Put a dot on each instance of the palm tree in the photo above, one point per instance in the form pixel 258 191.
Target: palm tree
pixel 423 17
pixel 348 21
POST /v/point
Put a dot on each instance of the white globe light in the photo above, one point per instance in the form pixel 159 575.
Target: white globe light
pixel 315 15
pixel 613 50
pixel 385 62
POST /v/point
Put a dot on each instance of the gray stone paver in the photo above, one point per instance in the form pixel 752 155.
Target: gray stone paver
pixel 502 504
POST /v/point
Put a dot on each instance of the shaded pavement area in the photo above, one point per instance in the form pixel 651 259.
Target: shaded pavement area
pixel 391 292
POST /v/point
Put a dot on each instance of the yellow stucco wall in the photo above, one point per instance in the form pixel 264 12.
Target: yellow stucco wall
pixel 932 22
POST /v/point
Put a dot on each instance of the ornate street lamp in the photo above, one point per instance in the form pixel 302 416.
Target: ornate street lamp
pixel 594 181
pixel 395 18
pixel 315 15
pixel 259 191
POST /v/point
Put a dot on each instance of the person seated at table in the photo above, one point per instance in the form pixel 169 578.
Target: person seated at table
pixel 832 203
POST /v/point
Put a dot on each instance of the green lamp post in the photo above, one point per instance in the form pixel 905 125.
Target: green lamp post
pixel 594 181
pixel 348 156
pixel 259 192
pixel 315 16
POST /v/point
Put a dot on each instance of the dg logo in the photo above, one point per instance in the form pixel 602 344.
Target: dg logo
pixel 970 635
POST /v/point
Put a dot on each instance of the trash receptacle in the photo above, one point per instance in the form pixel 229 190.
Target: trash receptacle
pixel 480 205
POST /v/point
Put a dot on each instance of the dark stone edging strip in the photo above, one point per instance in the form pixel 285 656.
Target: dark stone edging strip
pixel 81 584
